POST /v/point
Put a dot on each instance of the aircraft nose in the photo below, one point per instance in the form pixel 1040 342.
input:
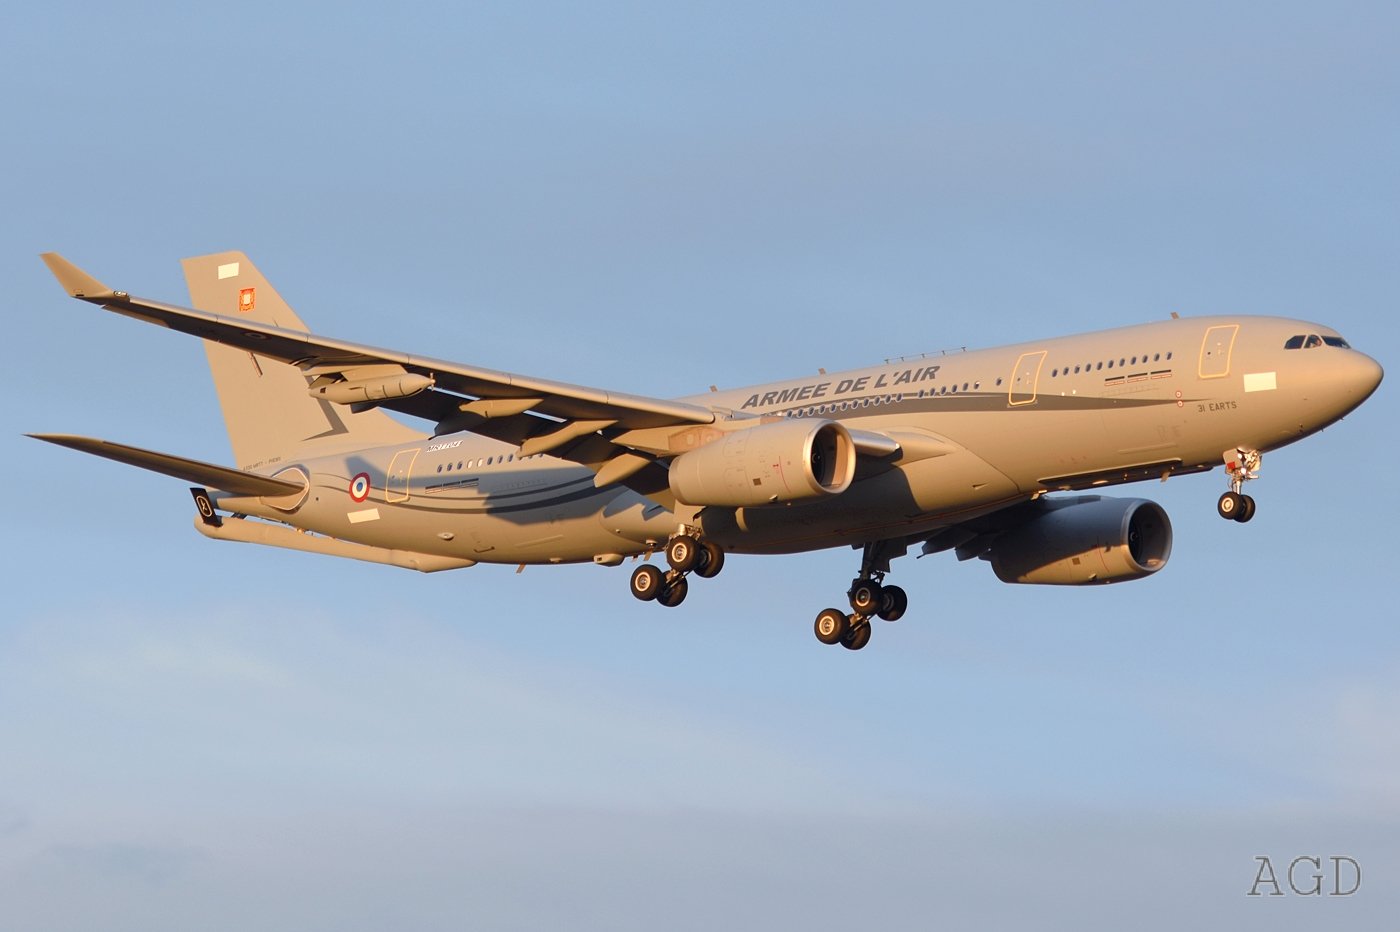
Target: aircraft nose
pixel 1365 376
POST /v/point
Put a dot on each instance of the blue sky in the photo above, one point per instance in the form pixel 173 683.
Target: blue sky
pixel 654 200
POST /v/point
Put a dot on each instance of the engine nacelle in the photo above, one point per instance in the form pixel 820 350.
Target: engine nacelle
pixel 784 461
pixel 1084 541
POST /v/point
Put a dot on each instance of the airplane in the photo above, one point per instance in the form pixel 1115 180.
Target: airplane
pixel 966 452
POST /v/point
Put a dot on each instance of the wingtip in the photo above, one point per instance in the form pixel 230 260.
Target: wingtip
pixel 76 282
pixel 63 440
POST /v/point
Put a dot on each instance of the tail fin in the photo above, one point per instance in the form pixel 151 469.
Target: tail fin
pixel 267 411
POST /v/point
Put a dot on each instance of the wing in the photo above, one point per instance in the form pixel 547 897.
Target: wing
pixel 623 438
pixel 541 415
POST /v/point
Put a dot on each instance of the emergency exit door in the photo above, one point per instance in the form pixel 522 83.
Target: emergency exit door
pixel 1216 347
pixel 400 472
pixel 1025 378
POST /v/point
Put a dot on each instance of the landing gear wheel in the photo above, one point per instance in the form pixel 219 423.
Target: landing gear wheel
pixel 673 593
pixel 865 596
pixel 1246 509
pixel 1230 505
pixel 831 625
pixel 647 581
pixel 712 563
pixel 893 603
pixel 683 553
pixel 858 636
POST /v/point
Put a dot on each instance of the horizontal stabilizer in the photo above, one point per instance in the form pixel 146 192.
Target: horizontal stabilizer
pixel 74 280
pixel 206 474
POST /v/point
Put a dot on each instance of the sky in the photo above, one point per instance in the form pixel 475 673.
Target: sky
pixel 653 198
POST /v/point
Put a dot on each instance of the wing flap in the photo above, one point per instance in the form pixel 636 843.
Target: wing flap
pixel 200 473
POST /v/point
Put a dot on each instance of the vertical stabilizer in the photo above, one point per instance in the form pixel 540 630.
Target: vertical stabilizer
pixel 269 415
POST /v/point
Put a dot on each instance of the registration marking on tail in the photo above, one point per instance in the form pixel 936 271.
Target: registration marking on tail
pixel 228 270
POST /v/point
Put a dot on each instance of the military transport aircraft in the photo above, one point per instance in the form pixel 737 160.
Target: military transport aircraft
pixel 955 452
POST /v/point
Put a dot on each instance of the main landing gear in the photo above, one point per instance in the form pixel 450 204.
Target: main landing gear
pixel 1241 465
pixel 686 554
pixel 868 597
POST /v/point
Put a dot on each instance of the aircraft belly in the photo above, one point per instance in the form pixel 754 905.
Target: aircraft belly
pixel 554 521
pixel 1054 436
pixel 908 500
pixel 1139 434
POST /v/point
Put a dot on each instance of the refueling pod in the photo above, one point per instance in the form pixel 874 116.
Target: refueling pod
pixel 381 388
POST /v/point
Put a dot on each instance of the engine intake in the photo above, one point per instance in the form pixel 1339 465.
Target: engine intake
pixel 784 461
pixel 1084 541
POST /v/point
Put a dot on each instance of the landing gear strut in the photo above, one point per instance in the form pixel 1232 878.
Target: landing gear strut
pixel 685 554
pixel 1241 465
pixel 869 598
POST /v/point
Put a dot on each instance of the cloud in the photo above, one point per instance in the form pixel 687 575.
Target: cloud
pixel 12 820
pixel 122 862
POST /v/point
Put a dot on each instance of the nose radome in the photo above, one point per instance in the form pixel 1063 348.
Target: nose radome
pixel 1366 375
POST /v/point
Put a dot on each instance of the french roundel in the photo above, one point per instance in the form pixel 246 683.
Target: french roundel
pixel 359 487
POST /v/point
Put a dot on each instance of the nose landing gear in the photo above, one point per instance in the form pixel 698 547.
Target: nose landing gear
pixel 686 554
pixel 1241 465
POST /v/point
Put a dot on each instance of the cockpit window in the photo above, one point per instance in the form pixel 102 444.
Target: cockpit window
pixel 1309 340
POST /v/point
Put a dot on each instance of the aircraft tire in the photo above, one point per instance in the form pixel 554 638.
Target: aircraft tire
pixel 1247 508
pixel 647 582
pixel 673 593
pixel 858 636
pixel 893 603
pixel 865 596
pixel 831 625
pixel 714 560
pixel 683 553
pixel 1229 505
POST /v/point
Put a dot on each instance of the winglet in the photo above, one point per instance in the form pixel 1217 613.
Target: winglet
pixel 75 281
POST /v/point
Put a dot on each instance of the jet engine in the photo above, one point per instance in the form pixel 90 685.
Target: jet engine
pixel 1083 541
pixel 784 461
